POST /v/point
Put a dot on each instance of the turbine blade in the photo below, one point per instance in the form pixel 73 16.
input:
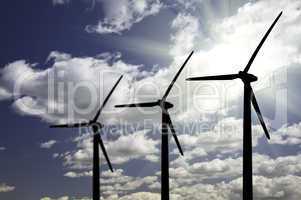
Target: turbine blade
pixel 147 104
pixel 76 125
pixel 174 134
pixel 261 43
pixel 259 115
pixel 213 78
pixel 176 77
pixel 106 100
pixel 104 152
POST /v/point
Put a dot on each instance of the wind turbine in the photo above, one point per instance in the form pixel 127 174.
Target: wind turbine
pixel 97 140
pixel 166 122
pixel 249 98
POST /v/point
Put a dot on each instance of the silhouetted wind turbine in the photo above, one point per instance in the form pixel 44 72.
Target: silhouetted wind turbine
pixel 248 98
pixel 166 122
pixel 97 140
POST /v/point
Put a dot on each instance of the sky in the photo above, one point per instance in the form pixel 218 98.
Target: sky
pixel 60 58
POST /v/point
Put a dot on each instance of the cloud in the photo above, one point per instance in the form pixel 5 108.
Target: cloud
pixel 224 138
pixel 280 166
pixel 230 168
pixel 285 187
pixel 287 135
pixel 118 183
pixel 136 145
pixel 48 144
pixel 218 43
pixel 60 2
pixel 187 32
pixel 139 196
pixel 4 94
pixel 221 44
pixel 224 176
pixel 6 188
pixel 240 33
pixel 120 15
pixel 60 198
pixel 133 196
pixel 121 150
pixel 72 174
pixel 2 148
pixel 281 188
pixel 224 45
pixel 55 94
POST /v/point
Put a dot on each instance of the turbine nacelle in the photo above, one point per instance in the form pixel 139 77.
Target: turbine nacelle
pixel 165 104
pixel 246 77
pixel 95 126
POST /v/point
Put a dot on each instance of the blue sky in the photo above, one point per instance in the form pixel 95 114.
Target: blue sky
pixel 61 57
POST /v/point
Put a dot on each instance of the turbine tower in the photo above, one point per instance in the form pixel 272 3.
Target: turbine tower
pixel 97 140
pixel 249 98
pixel 166 122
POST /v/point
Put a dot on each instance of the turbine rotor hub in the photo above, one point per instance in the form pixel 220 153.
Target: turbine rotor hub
pixel 246 77
pixel 96 126
pixel 165 104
